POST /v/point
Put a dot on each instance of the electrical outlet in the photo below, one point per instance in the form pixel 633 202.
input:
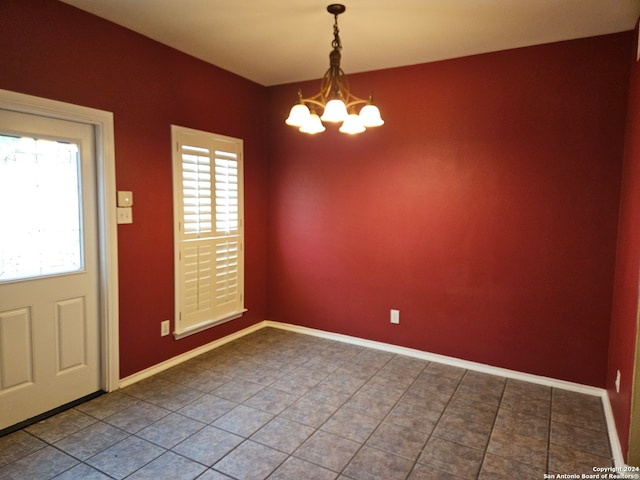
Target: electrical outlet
pixel 164 328
pixel 395 316
pixel 618 382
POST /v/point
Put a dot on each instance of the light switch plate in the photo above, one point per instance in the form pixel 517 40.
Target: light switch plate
pixel 125 215
pixel 125 199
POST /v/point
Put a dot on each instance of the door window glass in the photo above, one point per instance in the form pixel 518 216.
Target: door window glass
pixel 40 208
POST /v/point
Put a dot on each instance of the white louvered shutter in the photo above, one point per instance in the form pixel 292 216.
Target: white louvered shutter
pixel 209 281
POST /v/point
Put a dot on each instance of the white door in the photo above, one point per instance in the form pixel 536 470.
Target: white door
pixel 49 312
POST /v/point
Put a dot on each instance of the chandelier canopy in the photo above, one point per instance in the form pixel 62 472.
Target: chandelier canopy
pixel 334 99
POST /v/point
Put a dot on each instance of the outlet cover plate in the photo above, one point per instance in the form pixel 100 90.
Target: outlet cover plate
pixel 164 328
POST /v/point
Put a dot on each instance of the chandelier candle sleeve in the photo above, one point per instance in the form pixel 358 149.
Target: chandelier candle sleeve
pixel 335 99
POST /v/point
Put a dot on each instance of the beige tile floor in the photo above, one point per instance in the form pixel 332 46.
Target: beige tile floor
pixel 282 405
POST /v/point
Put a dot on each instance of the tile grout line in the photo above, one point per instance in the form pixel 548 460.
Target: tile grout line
pixel 290 455
pixel 351 396
pixel 129 434
pixel 341 473
pixel 80 461
pixel 416 461
pixel 245 439
pixel 493 426
pixel 387 415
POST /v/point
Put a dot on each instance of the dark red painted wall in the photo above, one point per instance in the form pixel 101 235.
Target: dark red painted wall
pixel 52 50
pixel 624 319
pixel 485 209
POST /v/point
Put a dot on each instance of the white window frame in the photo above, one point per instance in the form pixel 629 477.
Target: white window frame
pixel 209 281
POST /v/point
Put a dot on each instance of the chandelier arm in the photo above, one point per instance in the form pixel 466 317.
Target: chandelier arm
pixel 356 101
pixel 320 99
pixel 312 101
pixel 343 84
pixel 326 87
pixel 345 91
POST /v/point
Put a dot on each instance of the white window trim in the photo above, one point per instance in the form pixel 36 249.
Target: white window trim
pixel 199 138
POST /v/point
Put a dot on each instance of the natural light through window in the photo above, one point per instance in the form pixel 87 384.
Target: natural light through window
pixel 226 182
pixel 40 212
pixel 196 181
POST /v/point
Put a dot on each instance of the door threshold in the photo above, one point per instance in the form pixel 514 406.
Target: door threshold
pixel 50 413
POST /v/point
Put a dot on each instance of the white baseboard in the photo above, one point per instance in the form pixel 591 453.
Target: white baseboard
pixel 431 357
pixel 614 440
pixel 172 362
pixel 616 449
pixel 434 357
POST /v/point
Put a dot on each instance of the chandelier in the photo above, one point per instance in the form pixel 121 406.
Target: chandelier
pixel 334 99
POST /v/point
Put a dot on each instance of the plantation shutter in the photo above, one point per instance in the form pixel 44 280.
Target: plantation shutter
pixel 209 234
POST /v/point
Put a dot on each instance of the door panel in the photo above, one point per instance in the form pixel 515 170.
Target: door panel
pixel 16 349
pixel 71 334
pixel 49 312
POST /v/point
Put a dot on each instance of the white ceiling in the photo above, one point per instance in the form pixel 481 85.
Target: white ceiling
pixel 281 41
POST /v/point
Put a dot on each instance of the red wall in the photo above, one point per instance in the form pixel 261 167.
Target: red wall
pixel 52 50
pixel 624 319
pixel 485 209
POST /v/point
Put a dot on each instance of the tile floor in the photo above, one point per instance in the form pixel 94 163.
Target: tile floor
pixel 282 405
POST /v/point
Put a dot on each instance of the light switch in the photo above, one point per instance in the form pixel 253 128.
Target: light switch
pixel 125 199
pixel 125 215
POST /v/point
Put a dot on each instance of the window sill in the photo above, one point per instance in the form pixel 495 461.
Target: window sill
pixel 206 325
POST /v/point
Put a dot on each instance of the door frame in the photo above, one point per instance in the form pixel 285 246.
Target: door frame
pixel 102 121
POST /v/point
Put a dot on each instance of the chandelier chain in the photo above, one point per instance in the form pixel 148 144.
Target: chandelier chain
pixel 336 34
